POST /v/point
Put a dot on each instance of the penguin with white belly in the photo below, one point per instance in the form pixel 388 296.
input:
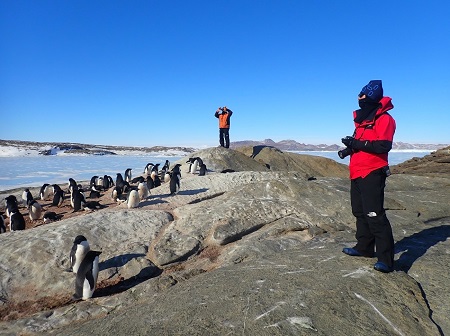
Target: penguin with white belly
pixel 87 275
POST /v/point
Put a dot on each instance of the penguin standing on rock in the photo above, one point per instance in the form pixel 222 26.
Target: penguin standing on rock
pixel 34 210
pixel 79 250
pixel 202 171
pixel 16 221
pixel 143 190
pixel 174 183
pixel 133 199
pixel 148 168
pixel 128 175
pixel 58 196
pixel 44 191
pixel 11 205
pixel 87 275
pixel 27 197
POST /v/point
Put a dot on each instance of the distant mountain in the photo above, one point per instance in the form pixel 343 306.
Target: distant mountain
pixel 292 145
pixel 18 147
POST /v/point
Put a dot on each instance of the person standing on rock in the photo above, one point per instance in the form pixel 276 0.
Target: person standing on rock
pixel 368 148
pixel 224 115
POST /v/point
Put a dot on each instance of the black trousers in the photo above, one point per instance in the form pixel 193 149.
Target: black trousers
pixel 224 137
pixel 373 230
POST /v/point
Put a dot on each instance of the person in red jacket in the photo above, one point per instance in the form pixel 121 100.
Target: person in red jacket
pixel 368 148
pixel 224 115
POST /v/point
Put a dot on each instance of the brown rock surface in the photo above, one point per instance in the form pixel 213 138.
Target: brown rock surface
pixel 435 164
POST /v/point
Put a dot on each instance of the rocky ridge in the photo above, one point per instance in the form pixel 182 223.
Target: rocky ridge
pixel 257 251
pixel 49 148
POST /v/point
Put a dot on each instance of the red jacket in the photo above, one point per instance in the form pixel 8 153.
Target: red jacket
pixel 381 129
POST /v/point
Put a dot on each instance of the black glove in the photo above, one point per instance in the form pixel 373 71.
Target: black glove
pixel 348 141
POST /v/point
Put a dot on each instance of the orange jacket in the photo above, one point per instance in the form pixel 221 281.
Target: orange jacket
pixel 224 118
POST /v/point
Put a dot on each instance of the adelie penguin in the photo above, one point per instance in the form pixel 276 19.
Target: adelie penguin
pixel 77 200
pixel 80 247
pixel 202 171
pixel 34 210
pixel 11 205
pixel 27 197
pixel 143 190
pixel 51 216
pixel 58 196
pixel 44 192
pixel 174 183
pixel 87 275
pixel 148 168
pixel 2 223
pixel 133 199
pixel 16 221
pixel 128 175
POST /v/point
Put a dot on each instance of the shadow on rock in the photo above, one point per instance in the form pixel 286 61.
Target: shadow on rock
pixel 416 245
pixel 118 261
pixel 123 285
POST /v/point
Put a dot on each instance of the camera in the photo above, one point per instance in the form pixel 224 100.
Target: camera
pixel 345 152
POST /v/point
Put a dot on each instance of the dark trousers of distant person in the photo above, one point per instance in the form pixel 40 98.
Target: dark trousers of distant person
pixel 224 137
pixel 373 230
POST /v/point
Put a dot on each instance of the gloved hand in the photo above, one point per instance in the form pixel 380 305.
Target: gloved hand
pixel 348 141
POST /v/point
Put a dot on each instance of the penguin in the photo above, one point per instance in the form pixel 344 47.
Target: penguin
pixel 176 169
pixel 27 197
pixel 93 181
pixel 80 248
pixel 196 162
pixel 77 200
pixel 50 216
pixel 58 197
pixel 228 171
pixel 116 193
pixel 110 182
pixel 128 175
pixel 150 183
pixel 199 161
pixel 166 165
pixel 87 275
pixel 166 177
pixel 156 181
pixel 44 191
pixel 119 181
pixel 143 190
pixel 93 205
pixel 34 210
pixel 106 185
pixel 94 193
pixel 16 221
pixel 202 171
pixel 154 172
pixel 2 223
pixel 190 161
pixel 138 179
pixel 11 205
pixel 148 168
pixel 72 185
pixel 99 183
pixel 133 199
pixel 174 183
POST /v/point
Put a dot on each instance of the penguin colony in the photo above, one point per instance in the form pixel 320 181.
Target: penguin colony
pixel 125 189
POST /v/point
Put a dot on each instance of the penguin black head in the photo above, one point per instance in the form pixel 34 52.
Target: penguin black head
pixel 79 239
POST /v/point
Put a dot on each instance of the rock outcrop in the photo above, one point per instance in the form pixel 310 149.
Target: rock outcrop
pixel 254 252
pixel 435 164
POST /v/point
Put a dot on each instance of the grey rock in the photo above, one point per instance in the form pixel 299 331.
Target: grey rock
pixel 251 252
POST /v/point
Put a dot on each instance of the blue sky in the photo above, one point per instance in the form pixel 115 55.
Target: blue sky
pixel 147 73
